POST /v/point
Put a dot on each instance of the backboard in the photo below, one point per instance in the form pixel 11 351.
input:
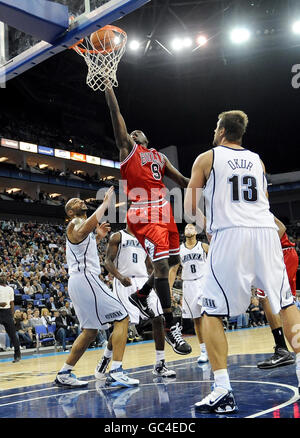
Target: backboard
pixel 20 52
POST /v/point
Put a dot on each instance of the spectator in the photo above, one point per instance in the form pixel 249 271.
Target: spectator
pixel 28 288
pixel 46 317
pixel 256 313
pixel 60 302
pixel 36 319
pixel 23 335
pixel 69 308
pixel 26 326
pixel 51 306
pixel 38 287
pixel 65 328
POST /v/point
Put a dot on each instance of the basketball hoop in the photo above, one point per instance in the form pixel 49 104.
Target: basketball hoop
pixel 102 51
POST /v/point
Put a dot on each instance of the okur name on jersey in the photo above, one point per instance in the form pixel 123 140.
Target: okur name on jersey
pixel 240 164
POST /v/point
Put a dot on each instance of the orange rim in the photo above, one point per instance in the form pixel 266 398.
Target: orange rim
pixel 76 46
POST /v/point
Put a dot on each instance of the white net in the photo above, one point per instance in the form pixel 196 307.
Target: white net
pixel 102 52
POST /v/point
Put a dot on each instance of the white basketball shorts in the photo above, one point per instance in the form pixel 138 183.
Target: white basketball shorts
pixel 122 293
pixel 94 303
pixel 191 298
pixel 238 259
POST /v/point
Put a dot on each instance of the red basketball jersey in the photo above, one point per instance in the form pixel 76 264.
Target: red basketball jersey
pixel 144 170
pixel 285 242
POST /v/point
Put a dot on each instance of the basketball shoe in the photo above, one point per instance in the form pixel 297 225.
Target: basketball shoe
pixel 280 358
pixel 118 377
pixel 203 357
pixel 142 304
pixel 174 338
pixel 161 370
pixel 69 380
pixel 102 367
pixel 219 401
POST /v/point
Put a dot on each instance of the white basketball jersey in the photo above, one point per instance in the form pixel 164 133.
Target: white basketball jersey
pixel 235 193
pixel 83 256
pixel 131 256
pixel 193 261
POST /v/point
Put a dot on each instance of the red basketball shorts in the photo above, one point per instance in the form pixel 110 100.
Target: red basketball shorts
pixel 291 261
pixel 154 226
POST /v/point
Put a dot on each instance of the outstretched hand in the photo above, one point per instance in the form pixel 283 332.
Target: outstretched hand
pixel 102 230
pixel 108 195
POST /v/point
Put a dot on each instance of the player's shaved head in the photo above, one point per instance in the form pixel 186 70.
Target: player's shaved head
pixel 75 207
pixel 139 137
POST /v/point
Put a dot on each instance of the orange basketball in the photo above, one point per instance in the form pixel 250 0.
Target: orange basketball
pixel 103 39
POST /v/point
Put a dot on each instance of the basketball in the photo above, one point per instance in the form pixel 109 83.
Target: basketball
pixel 103 39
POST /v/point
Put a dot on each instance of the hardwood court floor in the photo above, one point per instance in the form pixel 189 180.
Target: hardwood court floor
pixel 40 369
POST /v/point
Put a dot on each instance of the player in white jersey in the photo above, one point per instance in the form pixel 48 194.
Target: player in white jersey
pixel 94 304
pixel 130 265
pixel 244 250
pixel 193 255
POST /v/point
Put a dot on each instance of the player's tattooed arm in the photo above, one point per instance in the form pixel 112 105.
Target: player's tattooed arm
pixel 175 175
pixel 111 254
pixel 123 140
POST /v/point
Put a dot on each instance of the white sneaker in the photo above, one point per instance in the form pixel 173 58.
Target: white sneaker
pixel 69 380
pixel 161 370
pixel 102 367
pixel 117 377
pixel 219 401
pixel 203 357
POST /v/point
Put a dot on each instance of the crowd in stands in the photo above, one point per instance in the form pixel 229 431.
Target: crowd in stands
pixel 32 257
pixel 39 132
pixel 34 263
pixel 42 198
pixel 50 171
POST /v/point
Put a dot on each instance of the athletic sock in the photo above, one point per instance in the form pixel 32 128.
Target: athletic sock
pixel 279 338
pixel 115 364
pixel 108 353
pixel 146 289
pixel 160 355
pixel 66 367
pixel 163 292
pixel 222 379
pixel 169 320
pixel 203 348
pixel 298 367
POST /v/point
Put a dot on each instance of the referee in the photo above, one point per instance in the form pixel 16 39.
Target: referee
pixel 7 310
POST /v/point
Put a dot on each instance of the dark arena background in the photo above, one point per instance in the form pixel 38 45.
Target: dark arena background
pixel 185 63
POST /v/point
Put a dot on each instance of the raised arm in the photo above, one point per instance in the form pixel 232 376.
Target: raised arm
pixel 123 140
pixel 200 174
pixel 111 253
pixel 79 229
pixel 175 175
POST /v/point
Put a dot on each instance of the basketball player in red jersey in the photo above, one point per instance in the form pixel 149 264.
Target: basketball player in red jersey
pixel 150 216
pixel 281 356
